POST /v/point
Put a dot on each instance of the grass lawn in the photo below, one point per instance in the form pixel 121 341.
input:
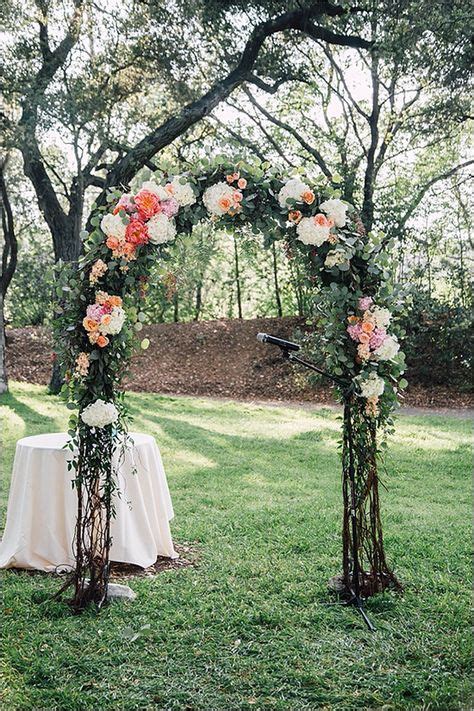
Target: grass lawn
pixel 258 488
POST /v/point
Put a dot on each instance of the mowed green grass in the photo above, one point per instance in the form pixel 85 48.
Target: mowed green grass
pixel 258 489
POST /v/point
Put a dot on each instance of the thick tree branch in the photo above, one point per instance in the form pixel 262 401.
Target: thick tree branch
pixel 10 247
pixel 301 20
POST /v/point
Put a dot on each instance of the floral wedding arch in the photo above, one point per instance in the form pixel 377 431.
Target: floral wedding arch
pixel 101 315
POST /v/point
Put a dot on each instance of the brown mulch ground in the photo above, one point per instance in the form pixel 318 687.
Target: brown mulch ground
pixel 212 358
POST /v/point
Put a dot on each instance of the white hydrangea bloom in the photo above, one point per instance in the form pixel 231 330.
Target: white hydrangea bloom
pixel 99 414
pixel 183 193
pixel 373 386
pixel 333 258
pixel 310 232
pixel 335 209
pixel 381 316
pixel 294 188
pixel 156 189
pixel 114 326
pixel 113 226
pixel 161 229
pixel 388 350
pixel 214 194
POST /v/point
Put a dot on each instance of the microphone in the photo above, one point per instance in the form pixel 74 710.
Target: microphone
pixel 280 342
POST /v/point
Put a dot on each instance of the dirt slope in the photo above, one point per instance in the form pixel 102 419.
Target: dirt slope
pixel 217 358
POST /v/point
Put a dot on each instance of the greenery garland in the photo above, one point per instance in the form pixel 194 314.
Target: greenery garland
pixel 101 314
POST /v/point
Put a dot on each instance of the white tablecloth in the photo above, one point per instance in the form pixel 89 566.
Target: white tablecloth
pixel 42 506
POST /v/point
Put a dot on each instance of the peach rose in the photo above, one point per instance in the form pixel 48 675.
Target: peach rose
pixel 230 178
pixel 242 183
pixel 169 188
pixel 112 243
pixel 364 338
pixel 353 319
pixel 236 176
pixel 295 216
pixel 367 327
pixel 102 341
pixel 238 196
pixel 148 203
pixel 225 204
pixel 308 197
pixel 115 300
pixel 105 320
pixel 321 220
pixel 89 324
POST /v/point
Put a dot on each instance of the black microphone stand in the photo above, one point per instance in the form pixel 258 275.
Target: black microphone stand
pixel 355 597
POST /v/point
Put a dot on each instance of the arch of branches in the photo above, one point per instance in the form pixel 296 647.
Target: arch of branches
pixel 102 310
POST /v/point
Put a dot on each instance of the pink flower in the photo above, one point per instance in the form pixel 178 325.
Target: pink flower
pixel 354 331
pixel 377 337
pixel 170 207
pixel 95 312
pixel 125 203
pixel 365 303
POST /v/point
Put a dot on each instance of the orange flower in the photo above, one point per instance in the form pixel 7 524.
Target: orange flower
pixel 364 338
pixel 353 319
pixel 242 183
pixel 105 320
pixel 294 216
pixel 225 204
pixel 115 300
pixel 308 197
pixel 128 249
pixel 89 324
pixel 230 178
pixel 148 203
pixel 102 341
pixel 367 327
pixel 238 196
pixel 112 242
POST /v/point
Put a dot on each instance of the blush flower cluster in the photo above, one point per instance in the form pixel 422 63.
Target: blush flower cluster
pixel 104 318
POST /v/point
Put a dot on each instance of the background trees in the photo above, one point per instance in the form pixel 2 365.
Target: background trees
pixel 373 92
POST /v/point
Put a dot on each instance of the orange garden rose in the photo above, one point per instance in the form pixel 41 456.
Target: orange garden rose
pixel 321 220
pixel 89 324
pixel 230 178
pixel 112 243
pixel 136 232
pixel 102 341
pixel 238 196
pixel 367 327
pixel 115 300
pixel 242 183
pixel 308 197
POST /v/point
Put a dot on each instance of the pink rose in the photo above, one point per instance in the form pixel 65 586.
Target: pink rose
pixel 365 303
pixel 125 203
pixel 377 337
pixel 170 207
pixel 95 312
pixel 354 332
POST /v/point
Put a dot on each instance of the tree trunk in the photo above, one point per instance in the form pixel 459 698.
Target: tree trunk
pixel 175 307
pixel 275 278
pixel 237 278
pixel 3 369
pixel 197 310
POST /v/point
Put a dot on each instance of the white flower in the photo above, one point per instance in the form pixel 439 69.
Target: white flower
pixel 161 229
pixel 372 386
pixel 334 258
pixel 156 189
pixel 183 193
pixel 388 350
pixel 310 232
pixel 99 414
pixel 113 226
pixel 114 326
pixel 214 195
pixel 381 316
pixel 294 189
pixel 336 209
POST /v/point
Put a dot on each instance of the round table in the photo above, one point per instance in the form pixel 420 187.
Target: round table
pixel 42 506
